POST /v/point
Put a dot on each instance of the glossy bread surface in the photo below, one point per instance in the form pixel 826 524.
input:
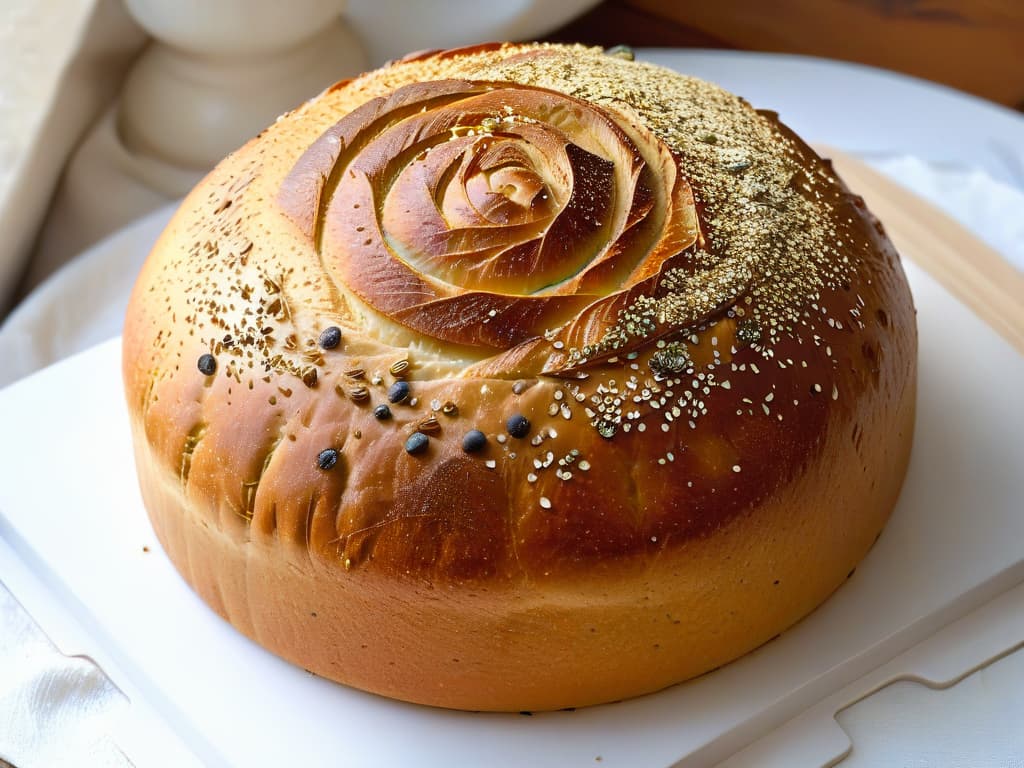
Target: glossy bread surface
pixel 689 349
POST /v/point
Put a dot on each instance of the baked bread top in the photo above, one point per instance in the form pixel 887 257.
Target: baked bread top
pixel 655 302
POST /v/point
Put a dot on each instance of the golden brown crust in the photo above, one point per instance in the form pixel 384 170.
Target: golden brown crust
pixel 711 338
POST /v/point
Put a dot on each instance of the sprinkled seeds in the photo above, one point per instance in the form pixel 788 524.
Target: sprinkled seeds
pixel 398 392
pixel 748 331
pixel 327 458
pixel 517 425
pixel 330 337
pixel 621 52
pixel 207 364
pixel 417 443
pixel 474 441
pixel 430 425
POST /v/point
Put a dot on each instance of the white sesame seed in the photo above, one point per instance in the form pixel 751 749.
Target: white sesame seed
pixel 545 502
pixel 584 465
pixel 735 467
pixel 490 463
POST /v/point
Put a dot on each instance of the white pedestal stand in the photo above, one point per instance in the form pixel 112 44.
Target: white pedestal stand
pixel 215 74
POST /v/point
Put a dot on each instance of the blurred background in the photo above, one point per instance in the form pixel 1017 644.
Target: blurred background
pixel 976 46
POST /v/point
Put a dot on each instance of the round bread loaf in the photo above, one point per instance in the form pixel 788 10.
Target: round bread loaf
pixel 520 377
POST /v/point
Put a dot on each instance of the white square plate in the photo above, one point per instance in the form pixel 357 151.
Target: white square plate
pixel 69 506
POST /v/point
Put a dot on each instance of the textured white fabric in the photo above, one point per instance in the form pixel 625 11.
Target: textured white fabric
pixel 991 209
pixel 56 711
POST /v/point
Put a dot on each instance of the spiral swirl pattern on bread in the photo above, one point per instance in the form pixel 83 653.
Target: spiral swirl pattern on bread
pixel 488 214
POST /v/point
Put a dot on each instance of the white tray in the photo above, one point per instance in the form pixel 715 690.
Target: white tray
pixel 70 507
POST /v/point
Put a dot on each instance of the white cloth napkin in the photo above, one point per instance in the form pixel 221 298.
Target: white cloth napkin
pixel 992 210
pixel 55 710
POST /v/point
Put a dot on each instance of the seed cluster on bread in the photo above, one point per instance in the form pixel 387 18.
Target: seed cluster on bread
pixel 520 377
